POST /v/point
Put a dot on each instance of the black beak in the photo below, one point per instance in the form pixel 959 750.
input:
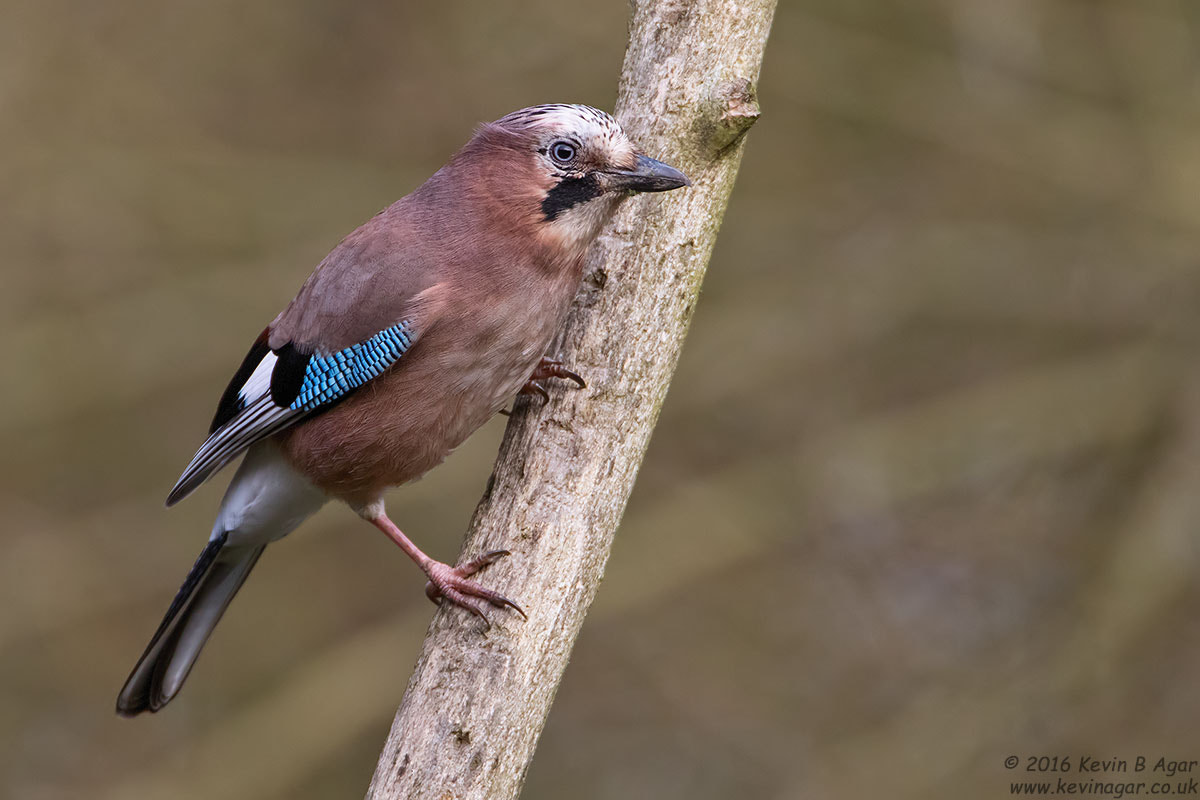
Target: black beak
pixel 648 176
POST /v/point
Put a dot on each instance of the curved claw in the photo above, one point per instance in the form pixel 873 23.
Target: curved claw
pixel 571 376
pixel 553 368
pixel 549 368
pixel 450 583
pixel 535 387
pixel 490 557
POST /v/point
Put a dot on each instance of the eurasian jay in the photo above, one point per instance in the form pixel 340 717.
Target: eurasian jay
pixel 410 335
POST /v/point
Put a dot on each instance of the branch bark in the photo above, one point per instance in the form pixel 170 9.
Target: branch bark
pixel 477 702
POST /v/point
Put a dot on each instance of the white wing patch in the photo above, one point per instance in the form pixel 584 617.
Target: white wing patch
pixel 258 418
pixel 259 382
pixel 253 413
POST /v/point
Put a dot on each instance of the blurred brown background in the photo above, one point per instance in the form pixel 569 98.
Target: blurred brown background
pixel 924 495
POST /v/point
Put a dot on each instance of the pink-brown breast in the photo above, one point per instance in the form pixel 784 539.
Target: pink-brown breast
pixel 465 368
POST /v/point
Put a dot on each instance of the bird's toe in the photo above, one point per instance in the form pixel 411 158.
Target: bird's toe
pixel 453 584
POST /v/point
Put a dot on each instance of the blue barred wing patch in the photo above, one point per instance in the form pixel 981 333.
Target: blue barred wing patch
pixel 330 377
pixel 276 388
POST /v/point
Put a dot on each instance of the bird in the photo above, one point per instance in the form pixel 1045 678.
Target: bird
pixel 413 332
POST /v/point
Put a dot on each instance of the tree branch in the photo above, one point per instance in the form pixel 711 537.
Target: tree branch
pixel 477 701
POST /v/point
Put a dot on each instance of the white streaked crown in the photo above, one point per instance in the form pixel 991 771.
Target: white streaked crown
pixel 584 122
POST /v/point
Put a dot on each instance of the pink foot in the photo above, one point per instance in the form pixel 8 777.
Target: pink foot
pixel 450 583
pixel 549 368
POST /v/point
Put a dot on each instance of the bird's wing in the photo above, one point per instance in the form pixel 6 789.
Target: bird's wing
pixel 275 389
pixel 361 309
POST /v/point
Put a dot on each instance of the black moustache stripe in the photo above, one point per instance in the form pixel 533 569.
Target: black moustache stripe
pixel 569 193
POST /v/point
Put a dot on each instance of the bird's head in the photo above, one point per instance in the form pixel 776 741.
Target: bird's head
pixel 581 165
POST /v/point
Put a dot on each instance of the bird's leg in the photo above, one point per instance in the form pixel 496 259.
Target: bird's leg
pixel 549 368
pixel 450 582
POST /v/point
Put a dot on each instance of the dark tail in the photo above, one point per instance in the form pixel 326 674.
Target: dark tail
pixel 217 575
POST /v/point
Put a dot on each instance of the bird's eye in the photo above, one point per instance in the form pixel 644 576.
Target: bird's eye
pixel 562 152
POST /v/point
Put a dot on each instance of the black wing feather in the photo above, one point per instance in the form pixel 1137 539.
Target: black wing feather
pixel 231 400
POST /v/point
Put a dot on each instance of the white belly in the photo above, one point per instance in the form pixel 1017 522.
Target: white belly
pixel 266 500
